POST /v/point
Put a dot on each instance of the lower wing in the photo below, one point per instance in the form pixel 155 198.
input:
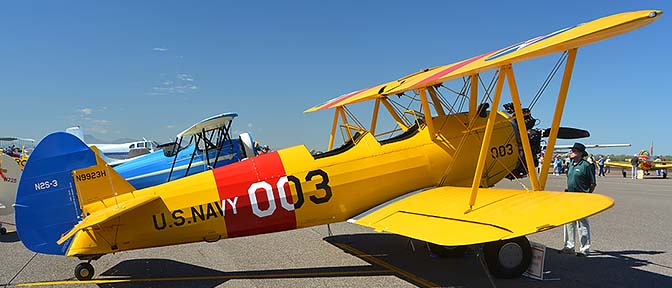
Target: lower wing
pixel 618 164
pixel 439 216
pixel 655 166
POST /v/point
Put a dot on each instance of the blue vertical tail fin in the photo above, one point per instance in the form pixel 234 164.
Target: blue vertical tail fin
pixel 46 201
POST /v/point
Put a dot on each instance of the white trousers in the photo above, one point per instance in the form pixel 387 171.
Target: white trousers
pixel 584 234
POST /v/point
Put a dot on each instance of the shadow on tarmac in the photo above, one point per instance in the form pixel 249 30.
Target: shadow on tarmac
pixel 170 273
pixel 600 269
pixel 9 237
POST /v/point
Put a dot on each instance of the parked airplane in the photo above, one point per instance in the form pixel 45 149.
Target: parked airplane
pixel 10 174
pixel 118 151
pixel 568 147
pixel 112 154
pixel 208 145
pixel 646 163
pixel 422 183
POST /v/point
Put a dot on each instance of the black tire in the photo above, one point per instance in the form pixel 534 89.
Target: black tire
pixel 84 271
pixel 3 230
pixel 447 251
pixel 508 258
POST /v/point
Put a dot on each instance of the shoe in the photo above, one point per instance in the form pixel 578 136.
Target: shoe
pixel 566 251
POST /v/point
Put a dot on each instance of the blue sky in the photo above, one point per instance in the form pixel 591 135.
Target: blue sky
pixel 133 69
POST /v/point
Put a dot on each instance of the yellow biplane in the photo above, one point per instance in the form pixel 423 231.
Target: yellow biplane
pixel 430 182
pixel 645 162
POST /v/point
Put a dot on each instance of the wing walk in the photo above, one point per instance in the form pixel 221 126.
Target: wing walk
pixel 438 215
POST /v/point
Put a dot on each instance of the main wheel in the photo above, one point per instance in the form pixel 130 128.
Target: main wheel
pixel 3 230
pixel 84 271
pixel 508 258
pixel 447 251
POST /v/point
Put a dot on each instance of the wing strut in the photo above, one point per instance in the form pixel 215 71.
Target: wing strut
pixel 374 118
pixel 473 97
pixel 436 101
pixel 489 127
pixel 557 116
pixel 333 129
pixel 428 113
pixel 527 150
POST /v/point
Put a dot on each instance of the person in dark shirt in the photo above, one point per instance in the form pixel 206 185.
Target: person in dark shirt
pixel 580 178
pixel 635 163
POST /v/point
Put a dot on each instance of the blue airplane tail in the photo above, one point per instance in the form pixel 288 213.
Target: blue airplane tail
pixel 46 201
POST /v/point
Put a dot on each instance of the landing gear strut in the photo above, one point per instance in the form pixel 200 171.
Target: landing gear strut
pixel 84 271
pixel 447 251
pixel 508 258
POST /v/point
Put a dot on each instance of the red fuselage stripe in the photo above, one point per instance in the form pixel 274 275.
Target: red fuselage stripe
pixel 250 196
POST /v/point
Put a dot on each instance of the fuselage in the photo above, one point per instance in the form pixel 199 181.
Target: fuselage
pixel 291 188
pixel 10 175
pixel 156 167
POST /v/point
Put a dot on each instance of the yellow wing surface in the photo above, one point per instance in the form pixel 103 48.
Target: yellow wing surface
pixel 656 166
pixel 618 164
pixel 653 166
pixel 557 41
pixel 438 215
pixel 109 213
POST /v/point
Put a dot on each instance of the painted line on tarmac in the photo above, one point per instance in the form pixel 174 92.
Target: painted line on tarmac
pixel 384 264
pixel 227 277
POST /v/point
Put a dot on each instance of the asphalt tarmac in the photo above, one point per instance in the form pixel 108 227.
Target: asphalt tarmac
pixel 630 248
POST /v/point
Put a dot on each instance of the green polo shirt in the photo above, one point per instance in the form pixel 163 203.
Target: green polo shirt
pixel 580 176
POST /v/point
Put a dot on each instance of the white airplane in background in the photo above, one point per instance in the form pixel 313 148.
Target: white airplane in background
pixel 115 154
pixel 567 147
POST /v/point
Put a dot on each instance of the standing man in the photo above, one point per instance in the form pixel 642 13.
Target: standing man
pixel 658 162
pixel 600 162
pixel 580 178
pixel 635 163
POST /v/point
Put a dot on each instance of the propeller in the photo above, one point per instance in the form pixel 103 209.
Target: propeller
pixel 567 133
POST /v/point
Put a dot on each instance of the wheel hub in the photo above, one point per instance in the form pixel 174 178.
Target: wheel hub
pixel 510 255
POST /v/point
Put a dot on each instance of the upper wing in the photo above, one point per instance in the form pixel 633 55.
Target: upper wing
pixel 208 124
pixel 438 215
pixel 554 42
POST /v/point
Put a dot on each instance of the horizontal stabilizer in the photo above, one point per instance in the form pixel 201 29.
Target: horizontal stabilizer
pixel 439 215
pixel 104 215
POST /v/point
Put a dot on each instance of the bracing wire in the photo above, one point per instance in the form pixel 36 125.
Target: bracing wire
pixel 550 76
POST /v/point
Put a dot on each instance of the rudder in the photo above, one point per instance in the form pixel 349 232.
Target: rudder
pixel 46 201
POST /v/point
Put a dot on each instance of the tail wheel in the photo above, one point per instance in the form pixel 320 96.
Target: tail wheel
pixel 508 258
pixel 447 251
pixel 3 230
pixel 84 271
